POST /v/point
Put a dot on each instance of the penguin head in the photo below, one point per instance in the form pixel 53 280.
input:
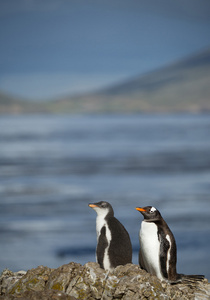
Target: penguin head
pixel 102 208
pixel 150 213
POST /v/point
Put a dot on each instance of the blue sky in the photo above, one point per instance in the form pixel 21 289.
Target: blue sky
pixel 50 48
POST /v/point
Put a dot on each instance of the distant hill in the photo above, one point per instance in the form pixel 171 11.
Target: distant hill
pixel 183 86
pixel 11 105
pixel 8 104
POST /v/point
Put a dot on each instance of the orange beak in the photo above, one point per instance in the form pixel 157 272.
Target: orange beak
pixel 92 205
pixel 140 209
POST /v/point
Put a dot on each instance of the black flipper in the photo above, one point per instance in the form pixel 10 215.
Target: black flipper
pixel 102 244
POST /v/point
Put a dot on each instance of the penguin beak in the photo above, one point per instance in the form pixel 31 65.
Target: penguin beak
pixel 140 209
pixel 92 205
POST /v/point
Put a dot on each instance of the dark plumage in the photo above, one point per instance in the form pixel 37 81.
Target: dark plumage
pixel 113 242
pixel 158 252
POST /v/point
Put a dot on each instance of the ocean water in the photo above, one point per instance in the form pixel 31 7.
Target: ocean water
pixel 51 167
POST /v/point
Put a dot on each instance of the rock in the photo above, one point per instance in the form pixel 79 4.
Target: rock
pixel 8 278
pixel 41 295
pixel 74 281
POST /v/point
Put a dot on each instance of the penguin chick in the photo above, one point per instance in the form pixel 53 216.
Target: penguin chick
pixel 158 252
pixel 113 242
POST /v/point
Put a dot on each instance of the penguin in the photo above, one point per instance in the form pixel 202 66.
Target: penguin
pixel 158 251
pixel 113 242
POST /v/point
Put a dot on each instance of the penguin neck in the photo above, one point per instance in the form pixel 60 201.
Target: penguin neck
pixel 159 222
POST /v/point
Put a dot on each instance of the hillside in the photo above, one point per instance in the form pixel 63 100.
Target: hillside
pixel 11 105
pixel 179 87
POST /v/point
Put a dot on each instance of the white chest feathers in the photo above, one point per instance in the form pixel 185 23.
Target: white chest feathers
pixel 100 223
pixel 150 248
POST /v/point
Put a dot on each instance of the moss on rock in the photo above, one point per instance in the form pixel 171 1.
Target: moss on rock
pixel 74 281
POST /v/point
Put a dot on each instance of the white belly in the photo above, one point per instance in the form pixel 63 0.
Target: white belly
pixel 150 248
pixel 100 222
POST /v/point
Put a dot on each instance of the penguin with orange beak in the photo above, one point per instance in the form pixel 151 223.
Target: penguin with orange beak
pixel 113 242
pixel 158 251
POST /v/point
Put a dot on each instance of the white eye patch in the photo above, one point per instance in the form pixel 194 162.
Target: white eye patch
pixel 152 209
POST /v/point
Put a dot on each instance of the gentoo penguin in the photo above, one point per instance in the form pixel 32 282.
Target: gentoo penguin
pixel 113 241
pixel 158 252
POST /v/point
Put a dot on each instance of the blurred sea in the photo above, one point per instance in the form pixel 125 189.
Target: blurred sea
pixel 53 166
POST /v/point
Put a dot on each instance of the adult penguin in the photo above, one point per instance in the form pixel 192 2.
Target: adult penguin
pixel 158 252
pixel 113 242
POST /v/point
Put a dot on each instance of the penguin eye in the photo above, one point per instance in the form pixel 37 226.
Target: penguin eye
pixel 152 210
pixel 103 205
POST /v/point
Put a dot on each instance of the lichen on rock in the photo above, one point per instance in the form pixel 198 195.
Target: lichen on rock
pixel 74 281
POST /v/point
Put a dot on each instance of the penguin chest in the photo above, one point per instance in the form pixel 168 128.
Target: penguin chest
pixel 104 239
pixel 150 248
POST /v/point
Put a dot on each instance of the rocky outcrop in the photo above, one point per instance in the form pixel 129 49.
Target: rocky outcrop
pixel 74 281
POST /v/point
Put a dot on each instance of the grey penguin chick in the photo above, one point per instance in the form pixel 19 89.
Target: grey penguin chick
pixel 158 251
pixel 113 242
